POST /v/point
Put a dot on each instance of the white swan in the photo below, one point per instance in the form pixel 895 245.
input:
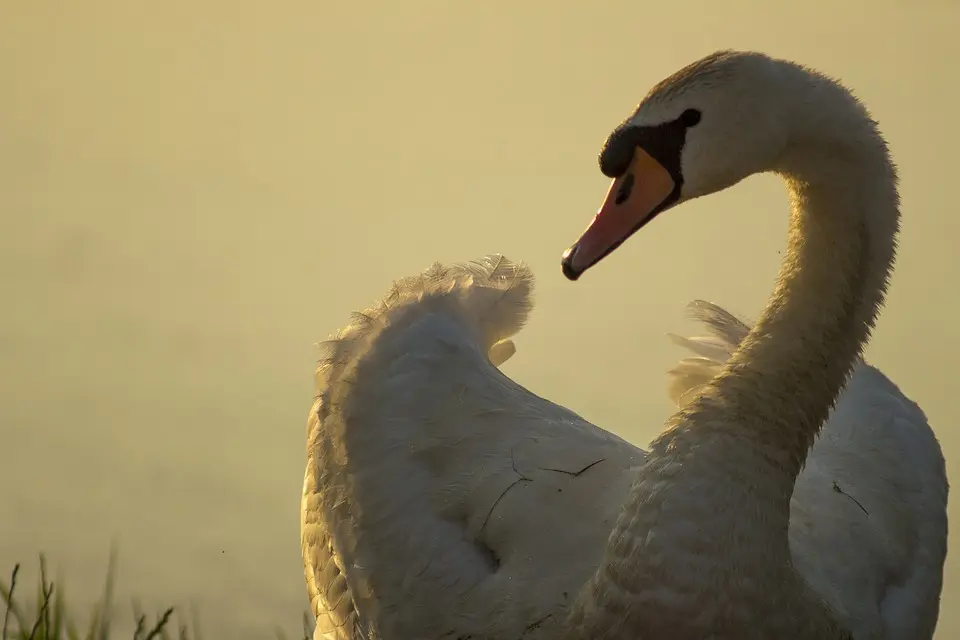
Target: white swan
pixel 443 500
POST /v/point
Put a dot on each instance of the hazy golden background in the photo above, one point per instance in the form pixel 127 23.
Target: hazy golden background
pixel 194 193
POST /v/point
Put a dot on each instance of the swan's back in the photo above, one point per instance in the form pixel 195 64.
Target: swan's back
pixel 441 499
pixel 868 527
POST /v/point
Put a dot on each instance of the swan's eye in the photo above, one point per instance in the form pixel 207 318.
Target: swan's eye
pixel 690 117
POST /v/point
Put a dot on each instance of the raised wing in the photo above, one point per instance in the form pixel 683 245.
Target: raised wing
pixel 442 499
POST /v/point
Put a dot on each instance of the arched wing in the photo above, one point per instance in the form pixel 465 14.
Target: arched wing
pixel 441 498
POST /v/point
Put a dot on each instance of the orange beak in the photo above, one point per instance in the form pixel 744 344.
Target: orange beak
pixel 633 200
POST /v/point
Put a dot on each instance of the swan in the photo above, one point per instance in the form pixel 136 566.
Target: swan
pixel 441 499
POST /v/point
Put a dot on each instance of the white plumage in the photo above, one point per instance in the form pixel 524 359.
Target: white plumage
pixel 442 500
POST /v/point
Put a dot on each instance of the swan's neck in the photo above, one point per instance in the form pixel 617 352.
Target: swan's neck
pixel 704 530
pixel 767 406
pixel 780 386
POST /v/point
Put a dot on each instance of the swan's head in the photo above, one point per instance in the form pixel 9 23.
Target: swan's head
pixel 701 130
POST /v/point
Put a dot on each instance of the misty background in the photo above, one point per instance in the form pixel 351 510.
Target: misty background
pixel 193 194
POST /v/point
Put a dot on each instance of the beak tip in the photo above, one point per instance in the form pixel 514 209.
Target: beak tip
pixel 570 271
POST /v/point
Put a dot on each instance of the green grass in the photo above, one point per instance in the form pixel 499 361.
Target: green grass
pixel 45 616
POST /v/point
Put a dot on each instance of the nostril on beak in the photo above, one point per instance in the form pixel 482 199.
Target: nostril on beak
pixel 626 187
